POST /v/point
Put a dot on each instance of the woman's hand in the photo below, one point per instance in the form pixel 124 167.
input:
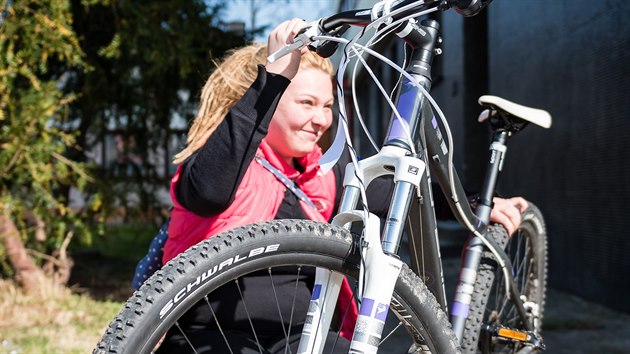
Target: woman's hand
pixel 282 35
pixel 507 212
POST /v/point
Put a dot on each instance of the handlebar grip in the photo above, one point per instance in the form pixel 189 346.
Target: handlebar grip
pixel 468 8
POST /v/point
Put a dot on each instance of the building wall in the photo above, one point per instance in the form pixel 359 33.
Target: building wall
pixel 572 58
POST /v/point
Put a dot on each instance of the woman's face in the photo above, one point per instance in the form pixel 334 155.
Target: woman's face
pixel 303 114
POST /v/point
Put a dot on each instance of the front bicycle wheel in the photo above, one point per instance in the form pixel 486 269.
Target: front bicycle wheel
pixel 490 306
pixel 168 302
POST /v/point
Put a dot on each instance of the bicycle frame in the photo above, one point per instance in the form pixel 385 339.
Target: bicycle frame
pixel 412 195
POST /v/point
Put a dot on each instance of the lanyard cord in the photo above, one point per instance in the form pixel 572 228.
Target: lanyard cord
pixel 286 181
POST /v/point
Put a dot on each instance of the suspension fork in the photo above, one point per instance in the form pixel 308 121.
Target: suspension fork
pixel 379 255
pixel 407 174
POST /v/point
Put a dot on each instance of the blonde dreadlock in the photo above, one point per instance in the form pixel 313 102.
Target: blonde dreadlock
pixel 227 84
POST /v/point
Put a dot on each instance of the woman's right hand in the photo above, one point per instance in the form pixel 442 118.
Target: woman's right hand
pixel 282 35
pixel 507 212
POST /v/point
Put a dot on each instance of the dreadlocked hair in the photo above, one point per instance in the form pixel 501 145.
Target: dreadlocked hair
pixel 227 84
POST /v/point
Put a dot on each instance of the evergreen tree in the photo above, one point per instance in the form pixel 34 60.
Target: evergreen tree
pixel 150 60
pixel 36 35
pixel 69 70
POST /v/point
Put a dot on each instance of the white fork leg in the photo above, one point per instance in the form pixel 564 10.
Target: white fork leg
pixel 381 274
pixel 380 278
pixel 320 311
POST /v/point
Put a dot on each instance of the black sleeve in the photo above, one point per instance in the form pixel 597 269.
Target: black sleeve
pixel 211 176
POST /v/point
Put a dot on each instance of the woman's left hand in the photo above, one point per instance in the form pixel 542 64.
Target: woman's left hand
pixel 507 212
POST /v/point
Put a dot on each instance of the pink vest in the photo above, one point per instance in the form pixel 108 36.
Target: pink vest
pixel 258 198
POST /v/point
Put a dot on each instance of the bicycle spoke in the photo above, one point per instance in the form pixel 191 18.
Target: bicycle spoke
pixel 185 337
pixel 521 259
pixel 275 295
pixel 506 306
pixel 343 318
pixel 287 332
pixel 216 320
pixel 390 333
pixel 502 308
pixel 498 294
pixel 529 264
pixel 238 286
pixel 297 281
pixel 520 250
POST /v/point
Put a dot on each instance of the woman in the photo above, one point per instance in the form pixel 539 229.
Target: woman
pixel 224 179
pixel 258 122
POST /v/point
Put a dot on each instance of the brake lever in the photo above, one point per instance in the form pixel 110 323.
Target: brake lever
pixel 301 40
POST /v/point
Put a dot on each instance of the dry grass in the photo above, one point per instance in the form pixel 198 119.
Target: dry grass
pixel 54 321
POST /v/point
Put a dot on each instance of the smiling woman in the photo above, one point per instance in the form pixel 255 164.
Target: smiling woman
pixel 278 119
pixel 252 156
pixel 303 114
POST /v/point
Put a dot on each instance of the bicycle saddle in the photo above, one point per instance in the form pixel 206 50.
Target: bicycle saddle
pixel 509 109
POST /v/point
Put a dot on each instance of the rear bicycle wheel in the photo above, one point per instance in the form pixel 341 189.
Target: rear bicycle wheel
pixel 189 280
pixel 490 306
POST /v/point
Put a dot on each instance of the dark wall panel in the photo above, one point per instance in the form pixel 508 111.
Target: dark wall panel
pixel 571 57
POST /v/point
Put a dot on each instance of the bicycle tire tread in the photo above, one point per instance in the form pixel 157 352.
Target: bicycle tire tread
pixel 122 325
pixel 428 301
pixel 486 277
pixel 171 275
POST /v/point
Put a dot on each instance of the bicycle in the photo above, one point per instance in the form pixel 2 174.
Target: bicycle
pixel 500 295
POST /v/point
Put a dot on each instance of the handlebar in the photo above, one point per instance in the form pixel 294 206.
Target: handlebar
pixel 399 17
pixel 337 24
pixel 364 17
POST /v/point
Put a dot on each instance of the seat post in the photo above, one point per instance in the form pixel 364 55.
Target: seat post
pixel 474 249
pixel 498 149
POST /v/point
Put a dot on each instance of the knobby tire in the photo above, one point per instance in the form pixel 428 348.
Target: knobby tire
pixel 527 249
pixel 185 280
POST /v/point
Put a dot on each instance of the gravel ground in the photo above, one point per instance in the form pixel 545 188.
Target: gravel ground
pixel 571 325
pixel 575 326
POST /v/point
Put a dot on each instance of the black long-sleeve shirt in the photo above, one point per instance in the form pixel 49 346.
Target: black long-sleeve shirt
pixel 210 177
